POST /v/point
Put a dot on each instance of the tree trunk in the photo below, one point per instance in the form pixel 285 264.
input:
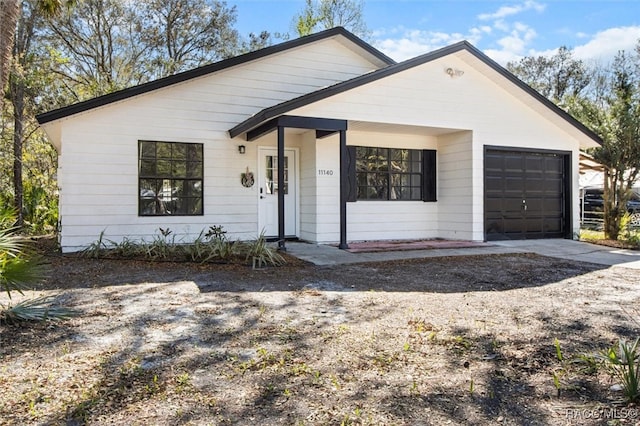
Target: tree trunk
pixel 9 13
pixel 17 98
pixel 612 212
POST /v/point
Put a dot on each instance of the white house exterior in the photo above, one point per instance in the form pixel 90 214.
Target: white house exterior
pixel 445 145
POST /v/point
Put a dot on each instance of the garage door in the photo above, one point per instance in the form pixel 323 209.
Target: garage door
pixel 527 194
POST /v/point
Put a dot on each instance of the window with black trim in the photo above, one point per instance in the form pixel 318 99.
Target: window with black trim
pixel 170 178
pixel 388 173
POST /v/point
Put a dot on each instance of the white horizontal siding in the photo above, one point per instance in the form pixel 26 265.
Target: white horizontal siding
pixel 455 191
pixel 99 162
pixel 98 167
pixel 307 197
pixel 383 220
pixel 427 96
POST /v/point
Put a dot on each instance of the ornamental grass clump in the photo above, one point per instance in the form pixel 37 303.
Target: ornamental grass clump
pixel 623 362
pixel 261 254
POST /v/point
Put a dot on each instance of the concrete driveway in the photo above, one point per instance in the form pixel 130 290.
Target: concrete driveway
pixel 576 250
pixel 320 254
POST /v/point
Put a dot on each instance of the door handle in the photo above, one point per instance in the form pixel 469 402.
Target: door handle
pixel 524 205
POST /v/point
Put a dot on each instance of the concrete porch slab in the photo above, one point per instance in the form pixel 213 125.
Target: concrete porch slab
pixel 320 254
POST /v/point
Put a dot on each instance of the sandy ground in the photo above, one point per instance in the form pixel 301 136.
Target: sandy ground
pixel 467 340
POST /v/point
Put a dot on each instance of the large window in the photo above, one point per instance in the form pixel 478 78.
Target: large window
pixel 388 173
pixel 170 178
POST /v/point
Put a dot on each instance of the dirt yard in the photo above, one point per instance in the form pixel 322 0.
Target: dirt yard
pixel 467 340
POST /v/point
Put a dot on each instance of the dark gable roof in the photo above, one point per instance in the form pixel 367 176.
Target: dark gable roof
pixel 326 92
pixel 207 69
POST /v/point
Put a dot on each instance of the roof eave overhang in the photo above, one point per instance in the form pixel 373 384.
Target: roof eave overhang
pixel 120 95
pixel 282 108
pixel 536 95
pixel 323 126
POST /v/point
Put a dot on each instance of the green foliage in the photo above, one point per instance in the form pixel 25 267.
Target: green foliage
pixel 607 100
pixel 108 45
pixel 556 343
pixel 18 268
pixel 210 247
pixel 263 255
pixel 566 375
pixel 325 14
pixel 38 309
pixel 40 208
pixel 623 362
pixel 630 236
pixel 97 248
pixel 557 77
pixel 307 20
pixel 613 112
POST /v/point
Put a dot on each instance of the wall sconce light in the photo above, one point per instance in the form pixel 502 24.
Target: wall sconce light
pixel 454 72
pixel 241 149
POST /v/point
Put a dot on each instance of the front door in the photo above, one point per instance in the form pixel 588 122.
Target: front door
pixel 268 192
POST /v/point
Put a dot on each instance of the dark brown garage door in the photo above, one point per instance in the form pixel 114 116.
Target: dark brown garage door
pixel 527 194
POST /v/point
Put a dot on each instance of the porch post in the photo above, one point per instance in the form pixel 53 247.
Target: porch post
pixel 281 244
pixel 343 190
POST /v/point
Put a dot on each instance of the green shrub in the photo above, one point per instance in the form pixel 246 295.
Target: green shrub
pixel 623 362
pixel 20 268
pixel 212 246
pixel 261 254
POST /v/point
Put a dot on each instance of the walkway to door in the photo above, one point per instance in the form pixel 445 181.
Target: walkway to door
pixel 320 254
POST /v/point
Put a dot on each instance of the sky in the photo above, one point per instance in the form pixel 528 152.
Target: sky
pixel 504 30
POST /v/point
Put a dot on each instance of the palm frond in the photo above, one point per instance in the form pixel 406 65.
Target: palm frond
pixel 17 273
pixel 10 244
pixel 38 309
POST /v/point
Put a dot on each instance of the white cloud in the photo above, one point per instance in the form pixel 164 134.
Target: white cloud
pixel 604 45
pixel 411 43
pixel 502 56
pixel 506 41
pixel 518 39
pixel 505 11
pixel 601 47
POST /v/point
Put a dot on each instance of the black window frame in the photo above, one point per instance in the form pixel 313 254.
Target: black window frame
pixel 180 170
pixel 429 176
pixel 398 172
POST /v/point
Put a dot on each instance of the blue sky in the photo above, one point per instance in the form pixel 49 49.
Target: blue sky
pixel 504 30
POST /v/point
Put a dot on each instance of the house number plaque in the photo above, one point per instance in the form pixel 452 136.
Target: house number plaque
pixel 325 172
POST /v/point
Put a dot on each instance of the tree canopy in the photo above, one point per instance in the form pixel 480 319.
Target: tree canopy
pixel 607 100
pixel 58 55
pixel 319 15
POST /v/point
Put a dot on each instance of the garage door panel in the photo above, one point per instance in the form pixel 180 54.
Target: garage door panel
pixel 494 184
pixel 553 186
pixel 534 164
pixel 534 224
pixel 538 178
pixel 554 164
pixel 513 226
pixel 553 225
pixel 513 184
pixel 513 163
pixel 552 206
pixel 494 162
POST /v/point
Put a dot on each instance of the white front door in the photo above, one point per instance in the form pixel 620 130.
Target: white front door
pixel 268 192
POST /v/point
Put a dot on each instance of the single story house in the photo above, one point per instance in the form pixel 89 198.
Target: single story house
pixel 324 139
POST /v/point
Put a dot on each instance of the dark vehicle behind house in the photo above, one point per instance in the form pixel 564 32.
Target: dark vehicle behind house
pixel 592 207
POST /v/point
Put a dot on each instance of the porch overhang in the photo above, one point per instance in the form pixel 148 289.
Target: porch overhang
pixel 323 126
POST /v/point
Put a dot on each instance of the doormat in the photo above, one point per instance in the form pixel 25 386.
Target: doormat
pixel 403 245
